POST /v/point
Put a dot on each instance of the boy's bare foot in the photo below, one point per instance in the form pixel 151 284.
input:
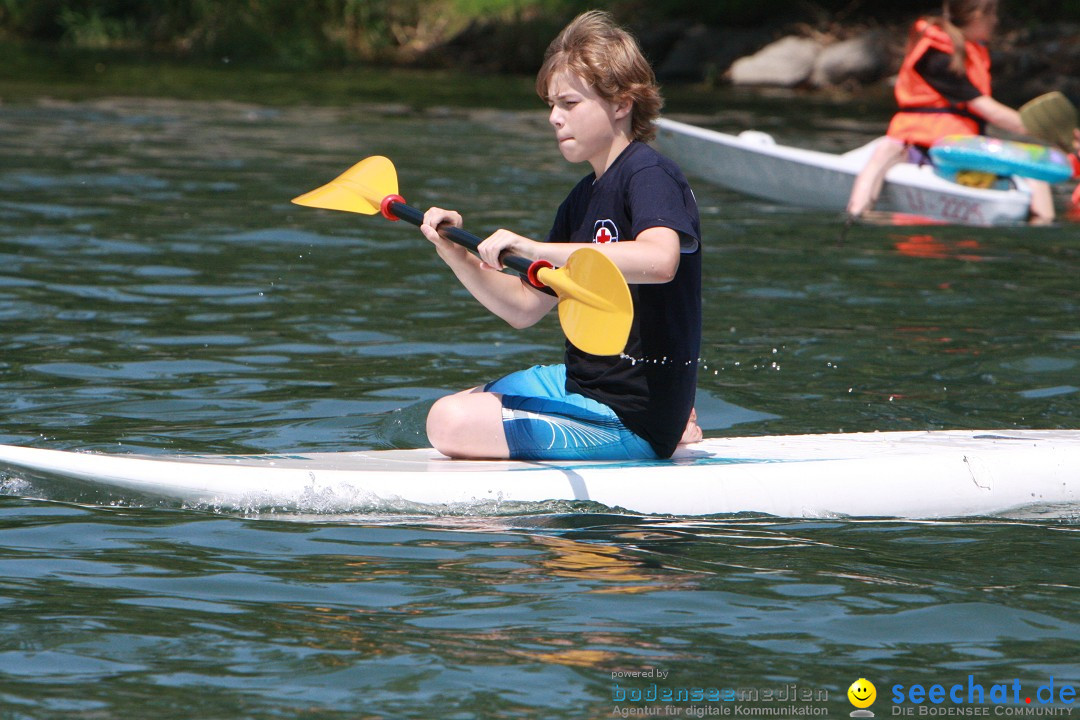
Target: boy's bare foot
pixel 692 433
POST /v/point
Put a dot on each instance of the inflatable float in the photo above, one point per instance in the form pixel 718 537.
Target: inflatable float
pixel 958 156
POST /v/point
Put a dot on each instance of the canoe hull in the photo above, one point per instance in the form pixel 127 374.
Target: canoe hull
pixel 753 164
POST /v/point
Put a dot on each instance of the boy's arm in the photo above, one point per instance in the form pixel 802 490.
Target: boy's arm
pixel 652 258
pixel 506 296
pixel 516 302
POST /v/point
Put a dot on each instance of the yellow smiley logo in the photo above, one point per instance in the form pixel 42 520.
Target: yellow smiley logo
pixel 862 693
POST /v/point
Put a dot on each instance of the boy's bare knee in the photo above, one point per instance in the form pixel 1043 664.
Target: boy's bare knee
pixel 443 423
pixel 467 425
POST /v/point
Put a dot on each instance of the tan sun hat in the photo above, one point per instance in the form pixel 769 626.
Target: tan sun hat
pixel 1051 117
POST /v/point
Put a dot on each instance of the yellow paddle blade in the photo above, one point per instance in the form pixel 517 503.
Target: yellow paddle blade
pixel 595 307
pixel 360 189
pixel 1052 118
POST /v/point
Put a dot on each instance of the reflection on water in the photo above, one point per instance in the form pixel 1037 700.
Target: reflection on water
pixel 140 608
pixel 159 292
pixel 928 246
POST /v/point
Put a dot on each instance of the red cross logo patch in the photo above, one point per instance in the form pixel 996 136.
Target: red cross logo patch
pixel 605 231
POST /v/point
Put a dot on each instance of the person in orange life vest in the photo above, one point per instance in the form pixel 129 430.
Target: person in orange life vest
pixel 943 88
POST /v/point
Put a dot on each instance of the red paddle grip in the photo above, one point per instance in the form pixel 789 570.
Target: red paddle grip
pixel 384 207
pixel 534 269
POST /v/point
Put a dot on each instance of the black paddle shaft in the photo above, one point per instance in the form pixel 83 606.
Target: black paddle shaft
pixel 462 237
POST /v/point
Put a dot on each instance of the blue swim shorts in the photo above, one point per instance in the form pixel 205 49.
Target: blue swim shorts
pixel 543 421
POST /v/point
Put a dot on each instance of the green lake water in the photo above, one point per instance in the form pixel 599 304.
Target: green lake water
pixel 159 293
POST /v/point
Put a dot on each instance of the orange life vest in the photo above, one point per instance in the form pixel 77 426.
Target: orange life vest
pixel 925 114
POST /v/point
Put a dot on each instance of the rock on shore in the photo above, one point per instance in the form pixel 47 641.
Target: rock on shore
pixel 1027 61
pixel 824 56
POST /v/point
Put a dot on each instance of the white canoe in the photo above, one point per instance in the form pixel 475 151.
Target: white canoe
pixel 889 474
pixel 754 164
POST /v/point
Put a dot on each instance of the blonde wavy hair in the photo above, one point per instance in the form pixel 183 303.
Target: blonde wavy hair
pixel 955 15
pixel 608 58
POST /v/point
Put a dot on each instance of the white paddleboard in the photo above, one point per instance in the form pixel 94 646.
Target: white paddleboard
pixel 888 474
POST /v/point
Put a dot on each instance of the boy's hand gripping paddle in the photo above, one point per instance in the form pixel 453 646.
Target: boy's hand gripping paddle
pixel 595 307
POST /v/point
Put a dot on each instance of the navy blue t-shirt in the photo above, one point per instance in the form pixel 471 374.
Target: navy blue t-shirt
pixel 651 386
pixel 934 66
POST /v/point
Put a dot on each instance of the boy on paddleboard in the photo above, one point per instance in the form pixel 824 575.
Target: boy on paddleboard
pixel 635 207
